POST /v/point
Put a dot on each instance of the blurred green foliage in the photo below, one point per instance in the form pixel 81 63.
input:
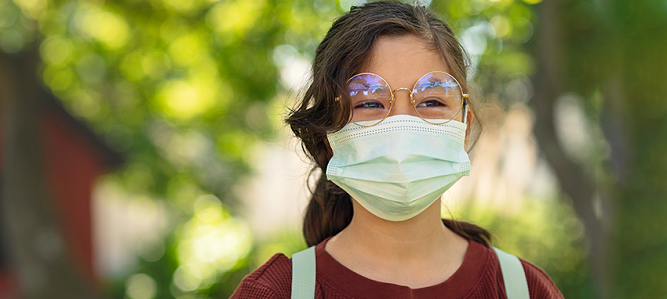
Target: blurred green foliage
pixel 184 89
pixel 544 231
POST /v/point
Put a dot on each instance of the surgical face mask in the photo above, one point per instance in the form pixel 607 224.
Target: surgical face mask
pixel 401 166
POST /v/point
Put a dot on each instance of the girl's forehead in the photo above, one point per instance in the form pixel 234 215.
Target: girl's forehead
pixel 402 60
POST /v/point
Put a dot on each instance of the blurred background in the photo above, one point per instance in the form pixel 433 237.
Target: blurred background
pixel 144 154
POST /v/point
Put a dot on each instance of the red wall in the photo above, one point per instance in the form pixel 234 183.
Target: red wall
pixel 72 166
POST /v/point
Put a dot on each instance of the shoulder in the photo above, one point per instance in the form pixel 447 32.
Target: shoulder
pixel 271 280
pixel 540 284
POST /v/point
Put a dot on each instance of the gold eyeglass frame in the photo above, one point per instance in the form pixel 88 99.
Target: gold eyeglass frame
pixel 464 97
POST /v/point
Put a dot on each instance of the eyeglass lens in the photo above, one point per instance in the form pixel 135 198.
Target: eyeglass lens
pixel 437 98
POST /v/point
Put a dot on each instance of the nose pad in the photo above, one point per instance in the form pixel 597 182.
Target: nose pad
pixel 402 102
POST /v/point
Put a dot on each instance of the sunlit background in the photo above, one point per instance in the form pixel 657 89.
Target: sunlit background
pixel 144 153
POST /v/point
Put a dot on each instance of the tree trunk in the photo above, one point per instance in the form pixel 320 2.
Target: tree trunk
pixel 574 181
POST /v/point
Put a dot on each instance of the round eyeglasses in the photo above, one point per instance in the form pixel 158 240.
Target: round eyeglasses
pixel 436 97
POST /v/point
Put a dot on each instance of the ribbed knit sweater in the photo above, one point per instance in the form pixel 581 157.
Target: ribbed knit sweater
pixel 479 276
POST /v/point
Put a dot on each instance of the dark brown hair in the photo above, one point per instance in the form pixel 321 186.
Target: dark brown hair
pixel 341 54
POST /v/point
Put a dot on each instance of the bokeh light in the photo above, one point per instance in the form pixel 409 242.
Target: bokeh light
pixel 210 243
pixel 140 286
pixel 109 29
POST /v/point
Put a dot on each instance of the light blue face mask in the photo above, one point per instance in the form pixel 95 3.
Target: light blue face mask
pixel 398 168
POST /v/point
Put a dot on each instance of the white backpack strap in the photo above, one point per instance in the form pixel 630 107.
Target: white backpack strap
pixel 303 274
pixel 516 286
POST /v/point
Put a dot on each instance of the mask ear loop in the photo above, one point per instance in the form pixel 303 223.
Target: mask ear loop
pixel 465 108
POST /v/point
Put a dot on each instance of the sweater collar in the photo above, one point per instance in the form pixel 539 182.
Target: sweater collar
pixel 348 281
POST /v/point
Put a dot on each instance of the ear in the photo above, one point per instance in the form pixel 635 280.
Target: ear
pixel 469 121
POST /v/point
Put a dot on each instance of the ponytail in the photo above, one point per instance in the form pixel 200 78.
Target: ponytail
pixel 469 231
pixel 329 212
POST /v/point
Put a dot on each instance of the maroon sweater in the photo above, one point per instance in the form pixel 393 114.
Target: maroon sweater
pixel 478 277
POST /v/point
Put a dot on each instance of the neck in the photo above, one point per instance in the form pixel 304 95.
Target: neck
pixel 417 252
pixel 420 237
pixel 397 236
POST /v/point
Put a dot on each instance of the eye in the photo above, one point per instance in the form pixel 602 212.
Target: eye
pixel 369 105
pixel 432 102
